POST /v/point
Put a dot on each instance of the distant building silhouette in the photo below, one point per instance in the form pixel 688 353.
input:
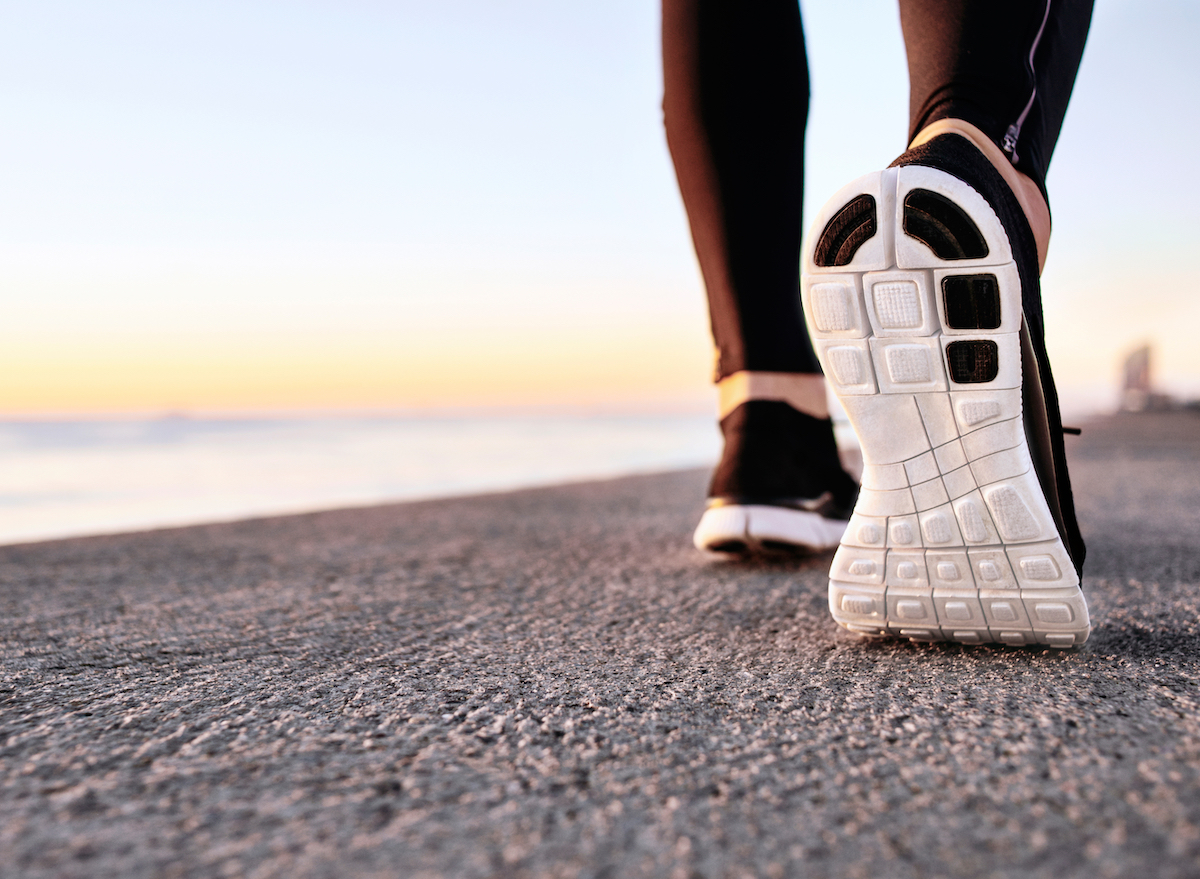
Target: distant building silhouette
pixel 1138 394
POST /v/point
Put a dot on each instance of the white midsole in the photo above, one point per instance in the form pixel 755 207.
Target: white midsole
pixel 758 524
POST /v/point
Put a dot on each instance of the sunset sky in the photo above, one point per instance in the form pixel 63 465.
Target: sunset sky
pixel 363 204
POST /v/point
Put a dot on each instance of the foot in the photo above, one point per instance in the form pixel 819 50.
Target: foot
pixel 779 486
pixel 921 292
pixel 1033 203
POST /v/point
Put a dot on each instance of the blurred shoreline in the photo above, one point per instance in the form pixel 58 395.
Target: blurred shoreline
pixel 74 477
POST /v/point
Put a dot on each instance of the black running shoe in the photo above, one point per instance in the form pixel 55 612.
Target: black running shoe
pixel 921 293
pixel 779 487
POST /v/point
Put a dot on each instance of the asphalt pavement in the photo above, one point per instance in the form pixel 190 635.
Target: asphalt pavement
pixel 553 683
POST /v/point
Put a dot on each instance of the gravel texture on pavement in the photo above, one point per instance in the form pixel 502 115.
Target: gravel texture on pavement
pixel 554 683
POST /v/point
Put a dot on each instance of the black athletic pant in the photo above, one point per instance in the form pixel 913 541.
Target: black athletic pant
pixel 735 105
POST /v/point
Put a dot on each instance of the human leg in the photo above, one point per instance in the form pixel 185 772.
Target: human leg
pixel 1006 68
pixel 735 108
pixel 735 105
pixel 1000 75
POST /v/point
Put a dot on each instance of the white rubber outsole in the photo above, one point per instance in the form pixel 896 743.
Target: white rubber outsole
pixel 951 538
pixel 739 528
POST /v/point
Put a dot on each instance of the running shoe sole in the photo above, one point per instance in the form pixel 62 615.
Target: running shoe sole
pixel 913 300
pixel 758 528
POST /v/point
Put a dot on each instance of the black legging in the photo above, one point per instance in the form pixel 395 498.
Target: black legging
pixel 735 105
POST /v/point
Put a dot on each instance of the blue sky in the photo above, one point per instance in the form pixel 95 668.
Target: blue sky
pixel 347 202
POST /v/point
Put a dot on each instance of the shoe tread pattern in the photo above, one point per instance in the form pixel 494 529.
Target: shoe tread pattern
pixel 951 538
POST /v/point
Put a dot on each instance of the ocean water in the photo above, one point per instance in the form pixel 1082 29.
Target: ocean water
pixel 68 478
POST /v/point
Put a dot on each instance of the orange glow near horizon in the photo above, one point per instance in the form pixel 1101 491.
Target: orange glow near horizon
pixel 650 367
pixel 651 362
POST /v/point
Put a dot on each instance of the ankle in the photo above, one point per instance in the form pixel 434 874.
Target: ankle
pixel 1032 202
pixel 804 392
